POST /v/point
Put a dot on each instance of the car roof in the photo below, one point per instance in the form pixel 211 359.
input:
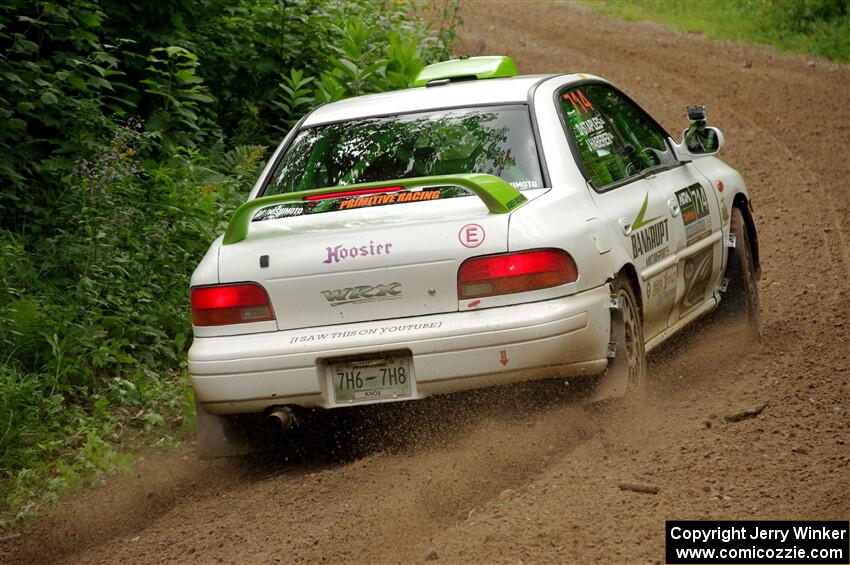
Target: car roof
pixel 483 92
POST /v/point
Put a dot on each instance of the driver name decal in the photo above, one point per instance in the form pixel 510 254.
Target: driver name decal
pixel 590 125
pixel 592 130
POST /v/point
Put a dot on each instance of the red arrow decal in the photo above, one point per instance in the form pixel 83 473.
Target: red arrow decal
pixel 504 357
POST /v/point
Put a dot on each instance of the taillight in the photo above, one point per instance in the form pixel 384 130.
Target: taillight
pixel 515 272
pixel 230 304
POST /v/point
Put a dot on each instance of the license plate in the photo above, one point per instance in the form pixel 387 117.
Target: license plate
pixel 371 379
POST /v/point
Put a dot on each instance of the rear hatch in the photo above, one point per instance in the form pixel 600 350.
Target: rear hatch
pixel 364 264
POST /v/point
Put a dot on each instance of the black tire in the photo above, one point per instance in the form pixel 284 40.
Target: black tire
pixel 629 362
pixel 740 307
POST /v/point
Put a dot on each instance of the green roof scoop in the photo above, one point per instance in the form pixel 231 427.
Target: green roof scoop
pixel 466 68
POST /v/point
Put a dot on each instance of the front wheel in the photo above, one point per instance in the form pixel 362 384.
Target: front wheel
pixel 740 307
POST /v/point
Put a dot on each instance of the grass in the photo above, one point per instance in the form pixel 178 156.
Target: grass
pixel 820 27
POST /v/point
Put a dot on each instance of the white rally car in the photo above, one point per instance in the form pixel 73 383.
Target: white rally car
pixel 478 229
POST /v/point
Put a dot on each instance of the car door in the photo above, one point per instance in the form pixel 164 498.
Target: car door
pixel 614 165
pixel 697 234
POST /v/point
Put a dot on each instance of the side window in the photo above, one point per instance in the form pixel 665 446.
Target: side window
pixel 602 152
pixel 616 139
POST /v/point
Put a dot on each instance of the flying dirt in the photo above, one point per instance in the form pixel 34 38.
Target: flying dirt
pixel 727 429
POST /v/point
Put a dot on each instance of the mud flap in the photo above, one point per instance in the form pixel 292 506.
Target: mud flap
pixel 218 436
pixel 614 382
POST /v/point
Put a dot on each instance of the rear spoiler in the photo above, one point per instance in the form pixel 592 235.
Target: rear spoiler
pixel 499 197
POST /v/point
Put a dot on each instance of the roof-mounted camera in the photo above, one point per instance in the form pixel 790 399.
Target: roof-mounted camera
pixel 696 113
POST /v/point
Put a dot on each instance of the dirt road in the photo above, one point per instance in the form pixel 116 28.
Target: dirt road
pixel 510 478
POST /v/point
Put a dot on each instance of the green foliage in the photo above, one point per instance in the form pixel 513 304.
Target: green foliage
pixel 178 96
pixel 129 131
pixel 93 318
pixel 814 26
pixel 194 72
pixel 811 26
pixel 50 99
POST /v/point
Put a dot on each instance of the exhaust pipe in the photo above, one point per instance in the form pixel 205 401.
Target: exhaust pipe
pixel 281 418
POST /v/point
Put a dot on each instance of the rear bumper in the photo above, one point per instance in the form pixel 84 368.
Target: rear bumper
pixel 451 352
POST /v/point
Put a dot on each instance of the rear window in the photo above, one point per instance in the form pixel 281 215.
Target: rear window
pixel 493 140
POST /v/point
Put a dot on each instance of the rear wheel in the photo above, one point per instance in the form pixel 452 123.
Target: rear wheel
pixel 626 373
pixel 740 306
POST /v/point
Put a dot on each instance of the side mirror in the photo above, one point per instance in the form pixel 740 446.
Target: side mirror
pixel 699 140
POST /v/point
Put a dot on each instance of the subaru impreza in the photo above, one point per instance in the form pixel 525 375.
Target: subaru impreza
pixel 477 229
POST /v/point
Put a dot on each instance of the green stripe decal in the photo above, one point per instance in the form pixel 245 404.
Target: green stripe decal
pixel 639 221
pixel 499 197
